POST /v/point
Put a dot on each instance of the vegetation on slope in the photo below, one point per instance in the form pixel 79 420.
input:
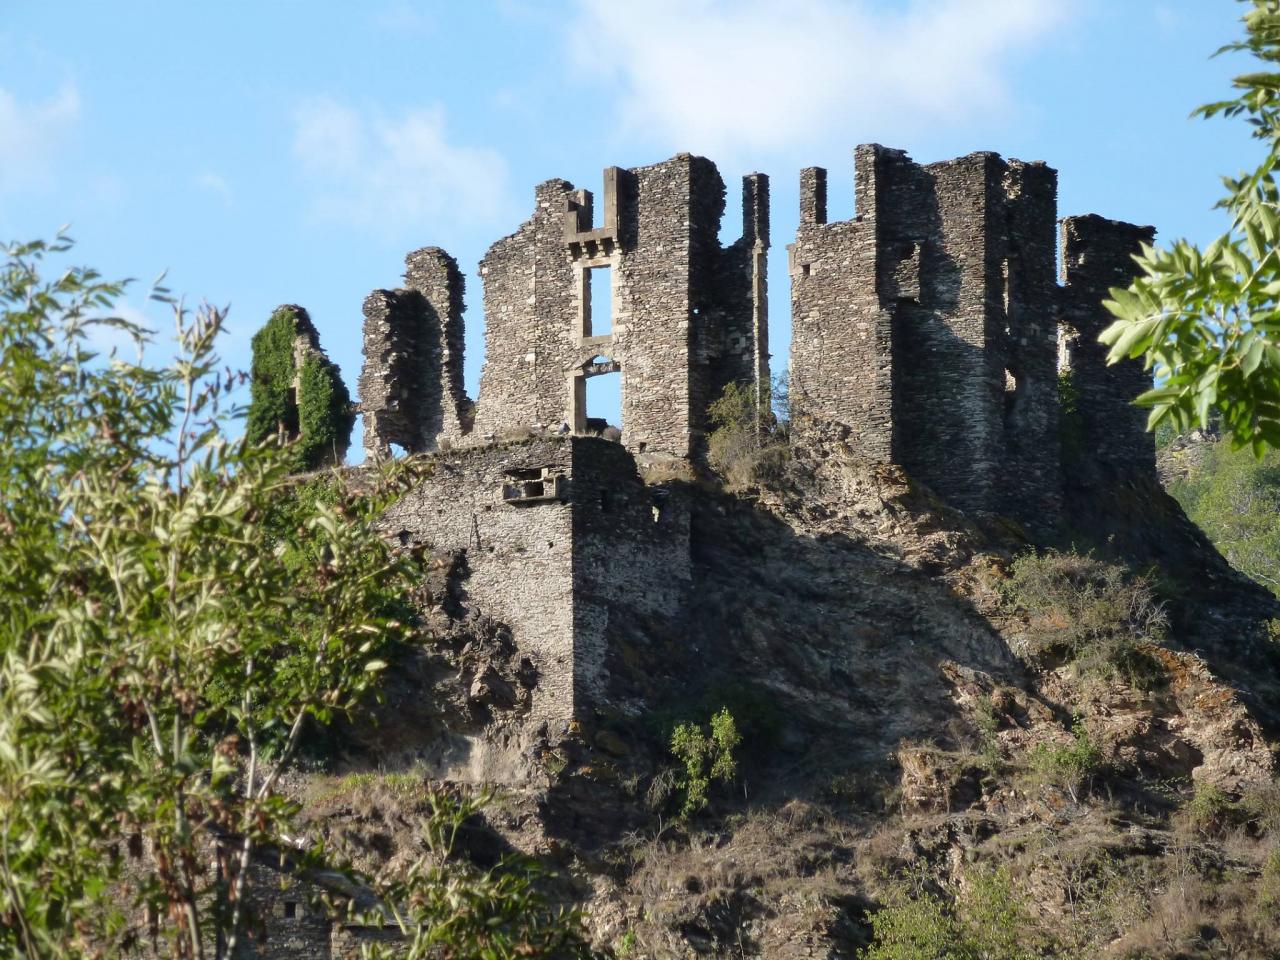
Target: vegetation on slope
pixel 168 630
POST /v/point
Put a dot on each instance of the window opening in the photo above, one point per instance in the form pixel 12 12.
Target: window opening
pixel 604 405
pixel 597 305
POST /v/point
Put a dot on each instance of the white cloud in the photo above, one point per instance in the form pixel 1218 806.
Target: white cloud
pixel 31 135
pixel 216 184
pixel 718 76
pixel 391 173
pixel 401 16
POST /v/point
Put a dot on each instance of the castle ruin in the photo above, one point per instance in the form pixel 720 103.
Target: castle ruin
pixel 932 331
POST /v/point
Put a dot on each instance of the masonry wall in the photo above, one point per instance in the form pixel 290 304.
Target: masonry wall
pixel 1097 254
pixel 558 567
pixel 411 386
pixel 1031 475
pixel 925 325
pixel 631 559
pixel 841 347
pixel 734 308
pixel 529 308
pixel 290 925
pixel 519 558
pixel 689 317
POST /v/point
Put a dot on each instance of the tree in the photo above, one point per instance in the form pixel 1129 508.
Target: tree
pixel 163 646
pixel 1208 322
pixel 1235 499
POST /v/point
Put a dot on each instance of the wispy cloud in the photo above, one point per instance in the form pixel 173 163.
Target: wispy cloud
pixel 404 16
pixel 389 173
pixel 727 75
pixel 31 134
pixel 216 184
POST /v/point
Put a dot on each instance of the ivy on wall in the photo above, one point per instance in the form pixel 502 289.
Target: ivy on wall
pixel 311 405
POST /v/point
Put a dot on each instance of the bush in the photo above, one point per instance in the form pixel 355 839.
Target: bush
pixel 746 445
pixel 1208 808
pixel 1068 767
pixel 705 758
pixel 989 921
pixel 1093 614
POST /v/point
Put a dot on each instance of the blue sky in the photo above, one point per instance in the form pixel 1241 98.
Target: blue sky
pixel 288 151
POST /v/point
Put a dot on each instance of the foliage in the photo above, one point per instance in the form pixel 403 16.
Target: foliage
pixel 1208 322
pixel 1094 614
pixel 1071 427
pixel 916 928
pixel 1234 498
pixel 143 602
pixel 746 445
pixel 325 413
pixel 705 758
pixel 319 417
pixel 1068 767
pixel 271 375
pixel 444 906
pixel 990 920
pixel 1208 807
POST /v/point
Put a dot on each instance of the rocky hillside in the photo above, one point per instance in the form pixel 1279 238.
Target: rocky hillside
pixel 942 733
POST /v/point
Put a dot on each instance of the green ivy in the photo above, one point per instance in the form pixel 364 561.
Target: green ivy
pixel 320 419
pixel 325 416
pixel 272 373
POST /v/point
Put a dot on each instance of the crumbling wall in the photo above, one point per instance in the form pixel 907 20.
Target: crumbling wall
pixel 519 551
pixel 688 316
pixel 529 308
pixel 631 559
pixel 411 386
pixel 1097 254
pixel 841 349
pixel 734 311
pixel 925 325
pixel 1031 475
pixel 561 538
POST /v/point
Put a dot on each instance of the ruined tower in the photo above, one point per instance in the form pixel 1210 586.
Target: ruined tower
pixel 1097 254
pixel 927 326
pixel 411 386
pixel 688 317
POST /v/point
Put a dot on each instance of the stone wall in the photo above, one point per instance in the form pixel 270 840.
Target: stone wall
pixel 411 387
pixel 689 316
pixel 926 326
pixel 519 553
pixel 561 537
pixel 1097 254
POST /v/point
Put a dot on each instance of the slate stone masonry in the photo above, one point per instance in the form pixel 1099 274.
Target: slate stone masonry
pixel 927 327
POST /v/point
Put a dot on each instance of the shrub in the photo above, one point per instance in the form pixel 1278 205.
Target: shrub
pixel 1208 807
pixel 1261 804
pixel 989 921
pixel 1068 767
pixel 915 928
pixel 705 758
pixel 746 446
pixel 1091 613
